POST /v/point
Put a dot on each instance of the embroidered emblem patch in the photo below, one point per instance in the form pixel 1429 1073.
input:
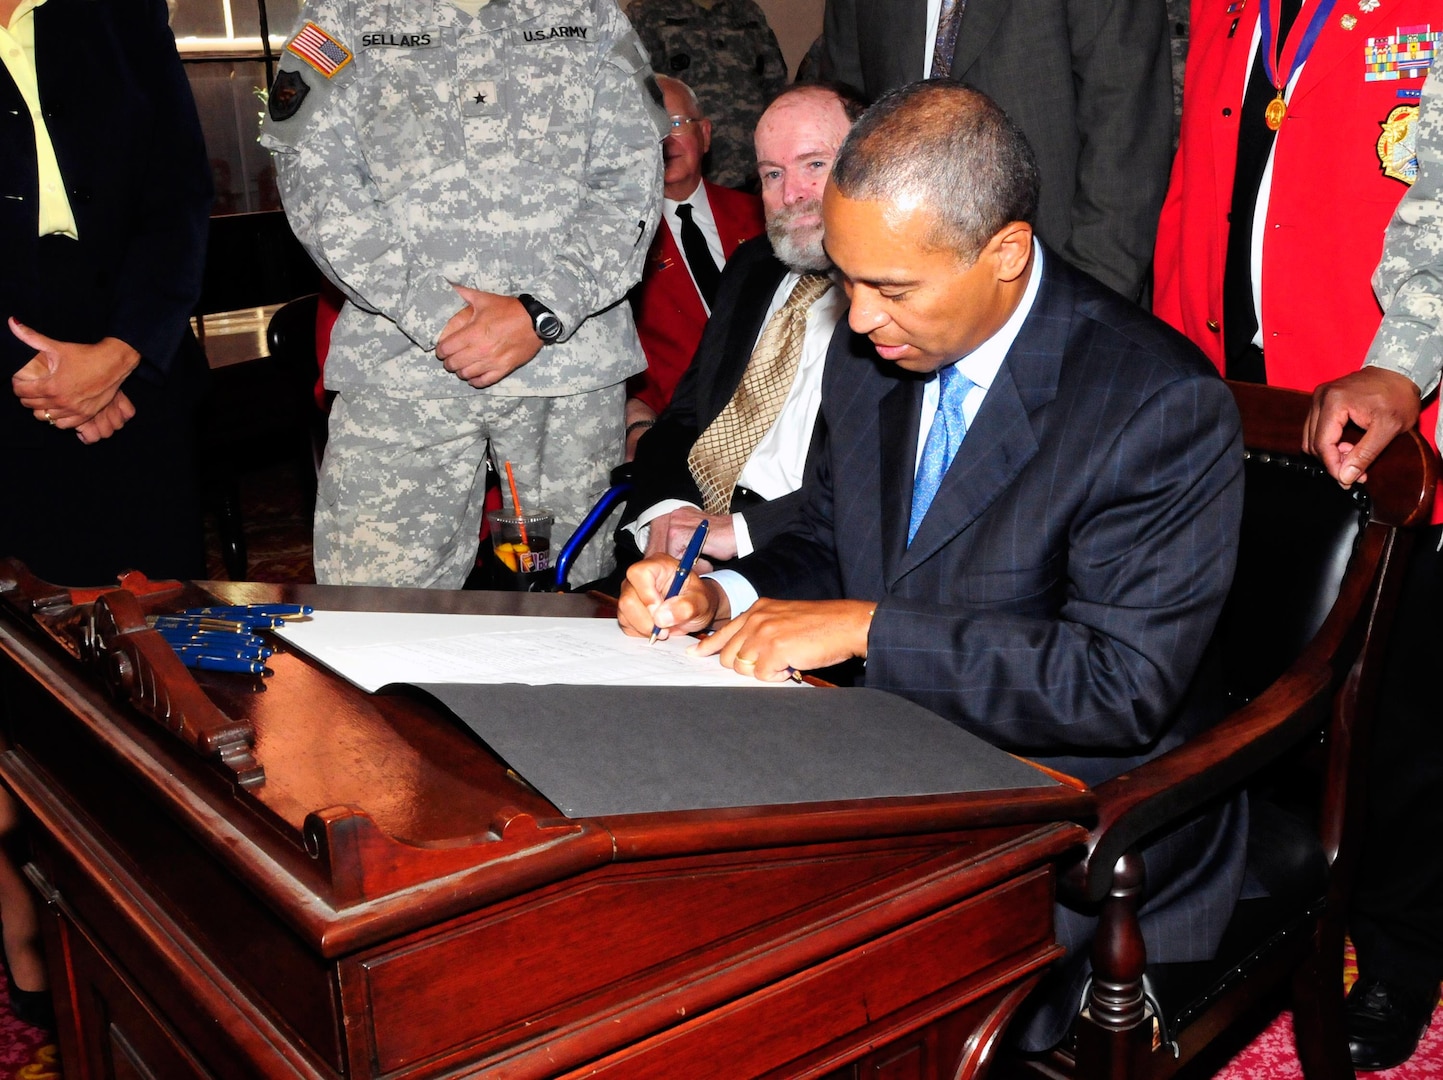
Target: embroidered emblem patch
pixel 1405 55
pixel 1397 152
pixel 319 49
pixel 287 93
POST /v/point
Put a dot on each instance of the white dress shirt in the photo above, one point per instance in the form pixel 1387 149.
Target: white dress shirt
pixel 702 215
pixel 776 466
pixel 980 365
pixel 934 12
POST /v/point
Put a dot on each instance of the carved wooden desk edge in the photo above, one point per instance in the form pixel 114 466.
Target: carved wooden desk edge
pixel 109 634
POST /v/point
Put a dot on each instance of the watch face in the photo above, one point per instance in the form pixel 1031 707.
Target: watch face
pixel 548 326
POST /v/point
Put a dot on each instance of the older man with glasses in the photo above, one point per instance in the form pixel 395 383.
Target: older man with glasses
pixel 702 224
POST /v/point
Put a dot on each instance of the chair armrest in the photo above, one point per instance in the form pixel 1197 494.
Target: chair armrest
pixel 1171 787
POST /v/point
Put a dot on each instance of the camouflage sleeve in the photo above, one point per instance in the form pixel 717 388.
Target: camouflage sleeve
pixel 650 39
pixel 605 246
pixel 336 210
pixel 769 56
pixel 1409 280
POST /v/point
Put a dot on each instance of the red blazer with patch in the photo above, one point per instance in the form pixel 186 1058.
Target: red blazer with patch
pixel 1332 191
pixel 668 309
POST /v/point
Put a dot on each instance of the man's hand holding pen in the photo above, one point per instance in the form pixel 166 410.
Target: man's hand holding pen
pixel 770 641
pixel 644 603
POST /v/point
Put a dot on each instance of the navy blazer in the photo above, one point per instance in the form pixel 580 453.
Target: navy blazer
pixel 1060 591
pixel 119 111
pixel 748 282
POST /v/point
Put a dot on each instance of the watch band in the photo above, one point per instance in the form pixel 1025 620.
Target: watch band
pixel 543 320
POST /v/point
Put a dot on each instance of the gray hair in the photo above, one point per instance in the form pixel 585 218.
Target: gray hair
pixel 669 80
pixel 950 149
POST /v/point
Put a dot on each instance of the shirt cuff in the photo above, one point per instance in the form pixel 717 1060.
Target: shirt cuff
pixel 740 593
pixel 742 535
pixel 640 529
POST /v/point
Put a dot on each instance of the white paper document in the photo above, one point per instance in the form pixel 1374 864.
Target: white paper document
pixel 375 648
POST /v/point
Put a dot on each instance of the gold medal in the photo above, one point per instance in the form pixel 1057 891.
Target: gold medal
pixel 1277 109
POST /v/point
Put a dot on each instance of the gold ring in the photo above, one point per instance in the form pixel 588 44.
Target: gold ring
pixel 747 660
pixel 49 419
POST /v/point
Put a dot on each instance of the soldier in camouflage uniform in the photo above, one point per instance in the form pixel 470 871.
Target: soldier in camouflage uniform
pixel 1396 920
pixel 725 51
pixel 482 182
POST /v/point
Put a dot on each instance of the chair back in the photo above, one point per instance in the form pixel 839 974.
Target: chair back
pixel 1293 670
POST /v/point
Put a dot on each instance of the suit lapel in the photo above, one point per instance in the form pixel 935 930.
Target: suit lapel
pixel 1336 45
pixel 727 228
pixel 979 22
pixel 666 256
pixel 898 418
pixel 1002 438
pixel 753 300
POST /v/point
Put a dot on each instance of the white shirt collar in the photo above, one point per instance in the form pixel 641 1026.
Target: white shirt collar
pixel 697 196
pixel 982 363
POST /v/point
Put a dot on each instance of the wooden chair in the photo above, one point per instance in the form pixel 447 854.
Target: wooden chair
pixel 1296 655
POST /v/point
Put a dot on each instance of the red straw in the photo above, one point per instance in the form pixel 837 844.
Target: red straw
pixel 516 502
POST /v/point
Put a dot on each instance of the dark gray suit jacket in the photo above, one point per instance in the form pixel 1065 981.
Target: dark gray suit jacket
pixel 748 282
pixel 1058 596
pixel 1089 83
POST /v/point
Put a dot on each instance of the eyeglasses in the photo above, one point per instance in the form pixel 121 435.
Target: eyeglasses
pixel 679 122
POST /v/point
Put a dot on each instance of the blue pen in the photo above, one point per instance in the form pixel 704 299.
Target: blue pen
pixel 688 559
pixel 223 648
pixel 226 637
pixel 187 655
pixel 220 663
pixel 245 611
pixel 194 622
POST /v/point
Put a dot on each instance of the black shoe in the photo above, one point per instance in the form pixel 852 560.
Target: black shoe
pixel 33 1007
pixel 1385 1022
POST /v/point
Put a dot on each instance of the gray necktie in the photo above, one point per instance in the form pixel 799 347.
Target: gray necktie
pixel 948 21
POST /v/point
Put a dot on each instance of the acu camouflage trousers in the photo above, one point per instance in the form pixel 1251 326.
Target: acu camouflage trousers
pixel 400 496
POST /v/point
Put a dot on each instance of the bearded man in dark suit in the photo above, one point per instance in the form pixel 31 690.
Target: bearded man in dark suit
pixel 1023 508
pixel 796 140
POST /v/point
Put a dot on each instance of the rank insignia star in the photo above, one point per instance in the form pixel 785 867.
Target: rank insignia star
pixel 480 99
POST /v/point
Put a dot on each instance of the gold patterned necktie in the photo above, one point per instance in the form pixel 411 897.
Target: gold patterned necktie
pixel 949 19
pixel 722 450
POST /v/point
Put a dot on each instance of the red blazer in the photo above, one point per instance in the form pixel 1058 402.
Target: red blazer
pixel 1332 194
pixel 668 309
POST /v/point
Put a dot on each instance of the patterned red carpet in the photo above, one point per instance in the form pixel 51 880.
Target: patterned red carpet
pixel 1271 1055
pixel 26 1053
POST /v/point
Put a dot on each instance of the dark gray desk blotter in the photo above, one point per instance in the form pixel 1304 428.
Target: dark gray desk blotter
pixel 600 750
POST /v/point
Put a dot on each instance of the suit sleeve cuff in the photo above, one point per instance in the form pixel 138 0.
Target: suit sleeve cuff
pixel 640 529
pixel 740 594
pixel 743 536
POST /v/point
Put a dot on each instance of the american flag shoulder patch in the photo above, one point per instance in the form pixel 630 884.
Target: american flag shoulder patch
pixel 319 49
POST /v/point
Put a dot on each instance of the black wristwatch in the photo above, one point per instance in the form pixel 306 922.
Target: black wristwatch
pixel 543 319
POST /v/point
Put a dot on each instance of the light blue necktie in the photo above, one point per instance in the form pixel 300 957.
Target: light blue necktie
pixel 949 425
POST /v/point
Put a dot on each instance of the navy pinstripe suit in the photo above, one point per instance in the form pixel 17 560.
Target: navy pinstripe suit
pixel 1057 597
